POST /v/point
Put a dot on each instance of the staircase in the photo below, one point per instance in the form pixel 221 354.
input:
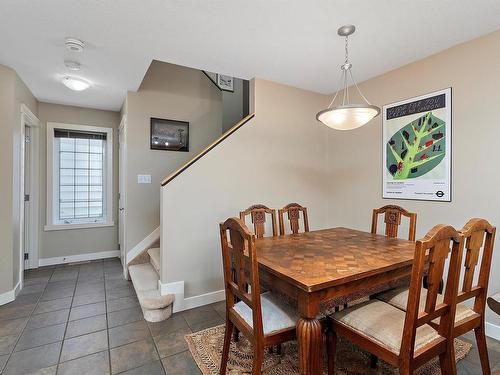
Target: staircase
pixel 145 273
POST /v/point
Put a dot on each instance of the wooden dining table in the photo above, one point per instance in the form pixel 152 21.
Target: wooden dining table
pixel 311 268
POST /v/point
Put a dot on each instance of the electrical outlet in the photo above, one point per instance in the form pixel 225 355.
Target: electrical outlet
pixel 143 178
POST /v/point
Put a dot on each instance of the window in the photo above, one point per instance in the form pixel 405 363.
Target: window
pixel 79 168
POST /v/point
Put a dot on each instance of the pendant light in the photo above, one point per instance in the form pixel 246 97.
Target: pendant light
pixel 347 116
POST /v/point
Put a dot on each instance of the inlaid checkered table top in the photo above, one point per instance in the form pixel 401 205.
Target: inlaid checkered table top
pixel 320 259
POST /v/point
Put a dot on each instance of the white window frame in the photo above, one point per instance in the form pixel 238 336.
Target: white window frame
pixel 52 224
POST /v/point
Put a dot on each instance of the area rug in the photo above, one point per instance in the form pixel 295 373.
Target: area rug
pixel 206 348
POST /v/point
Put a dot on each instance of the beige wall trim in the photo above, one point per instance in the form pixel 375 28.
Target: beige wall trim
pixel 173 175
pixel 10 295
pixel 181 303
pixel 145 244
pixel 79 258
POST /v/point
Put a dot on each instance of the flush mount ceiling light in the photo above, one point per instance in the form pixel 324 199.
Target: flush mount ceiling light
pixel 347 116
pixel 72 65
pixel 74 45
pixel 76 84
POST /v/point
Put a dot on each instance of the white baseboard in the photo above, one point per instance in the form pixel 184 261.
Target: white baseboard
pixel 145 244
pixel 10 295
pixel 181 303
pixel 204 299
pixel 78 258
pixel 175 288
pixel 492 330
pixel 17 289
pixel 7 297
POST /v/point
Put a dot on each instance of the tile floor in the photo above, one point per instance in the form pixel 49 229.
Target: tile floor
pixel 85 319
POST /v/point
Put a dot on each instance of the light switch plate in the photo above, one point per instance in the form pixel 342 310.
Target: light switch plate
pixel 143 178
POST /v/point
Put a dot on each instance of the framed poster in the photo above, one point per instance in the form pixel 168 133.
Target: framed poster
pixel 169 135
pixel 417 148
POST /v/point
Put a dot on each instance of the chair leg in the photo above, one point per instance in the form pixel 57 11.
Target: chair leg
pixel 447 360
pixel 236 335
pixel 406 371
pixel 483 349
pixel 331 348
pixel 225 348
pixel 258 359
pixel 373 361
pixel 278 349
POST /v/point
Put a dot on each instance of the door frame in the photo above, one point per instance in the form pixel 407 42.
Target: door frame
pixel 122 196
pixel 29 119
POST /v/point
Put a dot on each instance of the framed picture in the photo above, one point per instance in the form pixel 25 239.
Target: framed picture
pixel 170 135
pixel 225 83
pixel 417 148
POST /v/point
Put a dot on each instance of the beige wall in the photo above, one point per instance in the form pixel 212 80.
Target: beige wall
pixel 6 167
pixel 276 158
pixel 338 175
pixel 13 93
pixel 76 241
pixel 171 92
pixel 232 105
pixel 355 158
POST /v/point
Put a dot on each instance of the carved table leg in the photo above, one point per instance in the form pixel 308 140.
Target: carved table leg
pixel 310 346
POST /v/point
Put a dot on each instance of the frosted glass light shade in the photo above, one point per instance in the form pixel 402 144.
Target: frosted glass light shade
pixel 76 84
pixel 348 117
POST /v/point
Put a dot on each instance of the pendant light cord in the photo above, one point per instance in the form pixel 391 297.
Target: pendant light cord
pixel 346 61
pixel 344 84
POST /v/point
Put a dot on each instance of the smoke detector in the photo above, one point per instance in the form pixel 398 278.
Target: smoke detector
pixel 74 45
pixel 72 65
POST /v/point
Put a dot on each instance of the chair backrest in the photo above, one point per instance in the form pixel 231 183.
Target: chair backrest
pixel 392 220
pixel 258 213
pixel 433 250
pixel 478 233
pixel 239 254
pixel 293 211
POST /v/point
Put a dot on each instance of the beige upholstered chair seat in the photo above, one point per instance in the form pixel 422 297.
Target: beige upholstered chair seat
pixel 276 314
pixel 399 298
pixel 382 323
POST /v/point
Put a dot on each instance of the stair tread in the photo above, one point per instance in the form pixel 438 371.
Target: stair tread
pixel 154 258
pixel 144 277
pixel 145 280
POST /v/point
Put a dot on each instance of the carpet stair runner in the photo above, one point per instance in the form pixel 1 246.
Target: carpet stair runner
pixel 145 278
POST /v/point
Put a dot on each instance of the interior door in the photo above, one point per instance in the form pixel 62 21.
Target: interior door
pixel 122 194
pixel 26 238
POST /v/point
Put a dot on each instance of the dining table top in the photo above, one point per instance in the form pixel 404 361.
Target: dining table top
pixel 326 258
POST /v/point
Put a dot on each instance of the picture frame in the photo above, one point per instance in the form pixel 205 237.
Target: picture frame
pixel 225 83
pixel 169 135
pixel 417 148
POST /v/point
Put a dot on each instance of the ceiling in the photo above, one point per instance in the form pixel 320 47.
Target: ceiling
pixel 289 41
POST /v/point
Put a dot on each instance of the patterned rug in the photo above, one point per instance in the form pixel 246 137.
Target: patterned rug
pixel 206 348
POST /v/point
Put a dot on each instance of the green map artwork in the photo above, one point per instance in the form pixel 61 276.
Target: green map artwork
pixel 416 148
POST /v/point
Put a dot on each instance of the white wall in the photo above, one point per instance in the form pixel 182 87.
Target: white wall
pixel 276 158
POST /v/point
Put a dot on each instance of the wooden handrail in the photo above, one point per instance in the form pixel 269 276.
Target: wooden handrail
pixel 173 175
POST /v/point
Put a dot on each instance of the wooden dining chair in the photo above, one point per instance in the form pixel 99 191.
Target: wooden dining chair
pixel 264 319
pixel 405 339
pixel 293 211
pixel 392 220
pixel 478 233
pixel 257 213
